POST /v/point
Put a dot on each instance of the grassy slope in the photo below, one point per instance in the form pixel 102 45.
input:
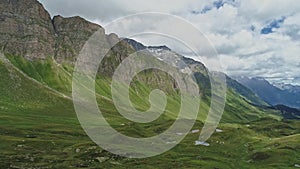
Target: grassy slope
pixel 43 130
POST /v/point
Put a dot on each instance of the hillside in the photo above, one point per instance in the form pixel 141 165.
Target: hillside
pixel 43 131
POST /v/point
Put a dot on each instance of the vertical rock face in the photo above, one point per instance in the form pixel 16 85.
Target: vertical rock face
pixel 71 34
pixel 26 29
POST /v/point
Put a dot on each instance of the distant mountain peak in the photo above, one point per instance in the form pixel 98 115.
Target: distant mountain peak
pixel 139 46
pixel 286 94
pixel 135 44
pixel 288 87
pixel 260 78
pixel 163 47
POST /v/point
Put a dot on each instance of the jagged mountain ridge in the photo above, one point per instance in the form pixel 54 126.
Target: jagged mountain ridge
pixel 288 87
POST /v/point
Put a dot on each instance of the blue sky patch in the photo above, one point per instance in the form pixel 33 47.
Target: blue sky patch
pixel 275 24
pixel 216 4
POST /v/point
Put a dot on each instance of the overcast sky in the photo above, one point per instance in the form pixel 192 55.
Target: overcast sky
pixel 252 37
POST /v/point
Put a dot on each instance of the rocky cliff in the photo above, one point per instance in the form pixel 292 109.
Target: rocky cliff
pixel 27 30
pixel 70 36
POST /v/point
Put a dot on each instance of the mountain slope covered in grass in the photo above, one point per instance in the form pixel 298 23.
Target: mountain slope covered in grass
pixel 43 131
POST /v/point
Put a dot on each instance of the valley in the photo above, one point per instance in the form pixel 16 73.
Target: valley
pixel 39 127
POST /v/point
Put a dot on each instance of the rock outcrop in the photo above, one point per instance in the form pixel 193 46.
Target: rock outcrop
pixel 71 34
pixel 26 29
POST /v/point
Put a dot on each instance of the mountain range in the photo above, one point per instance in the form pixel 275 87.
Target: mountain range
pixel 39 127
pixel 284 94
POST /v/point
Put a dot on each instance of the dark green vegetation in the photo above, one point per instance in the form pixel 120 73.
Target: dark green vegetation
pixel 39 127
